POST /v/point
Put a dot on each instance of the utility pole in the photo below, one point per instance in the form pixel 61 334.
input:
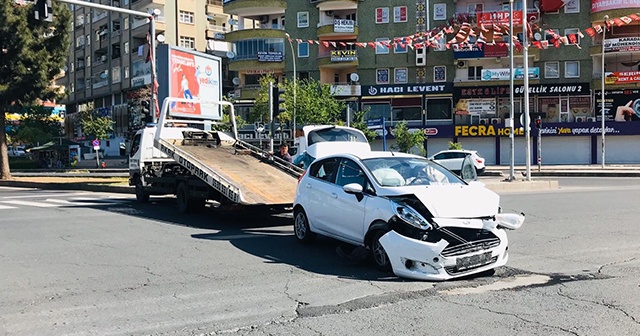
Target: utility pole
pixel 525 61
pixel 511 111
pixel 272 127
pixel 539 126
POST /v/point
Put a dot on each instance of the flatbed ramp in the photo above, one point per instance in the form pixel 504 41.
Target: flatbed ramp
pixel 237 174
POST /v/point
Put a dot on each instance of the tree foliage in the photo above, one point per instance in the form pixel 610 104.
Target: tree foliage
pixel 97 126
pixel 455 145
pixel 37 126
pixel 360 124
pixel 32 55
pixel 407 141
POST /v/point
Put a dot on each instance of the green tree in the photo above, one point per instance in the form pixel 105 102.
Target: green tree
pixel 32 55
pixel 455 145
pixel 315 105
pixel 97 126
pixel 360 124
pixel 407 141
pixel 260 110
pixel 37 126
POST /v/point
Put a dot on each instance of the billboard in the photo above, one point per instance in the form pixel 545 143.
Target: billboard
pixel 619 105
pixel 192 75
pixel 605 5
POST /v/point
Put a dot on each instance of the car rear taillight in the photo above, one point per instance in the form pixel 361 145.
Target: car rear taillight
pixel 479 160
pixel 301 176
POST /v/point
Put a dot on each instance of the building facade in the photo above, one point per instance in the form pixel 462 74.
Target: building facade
pixel 372 53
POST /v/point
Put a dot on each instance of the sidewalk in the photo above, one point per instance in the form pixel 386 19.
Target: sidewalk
pixel 614 170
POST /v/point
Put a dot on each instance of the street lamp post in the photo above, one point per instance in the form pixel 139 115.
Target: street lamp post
pixel 295 83
pixel 602 102
pixel 511 112
pixel 525 70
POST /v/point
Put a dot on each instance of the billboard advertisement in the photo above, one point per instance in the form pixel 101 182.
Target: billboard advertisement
pixel 624 44
pixel 605 5
pixel 619 105
pixel 191 75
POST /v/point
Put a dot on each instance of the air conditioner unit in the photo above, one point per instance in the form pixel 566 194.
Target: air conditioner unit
pixel 461 64
pixel 591 119
pixel 484 121
pixel 580 119
pixel 421 58
pixel 495 121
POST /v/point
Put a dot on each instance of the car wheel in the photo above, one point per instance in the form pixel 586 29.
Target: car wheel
pixel 301 227
pixel 378 254
pixel 141 195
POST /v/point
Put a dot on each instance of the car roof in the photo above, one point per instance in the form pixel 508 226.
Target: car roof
pixel 373 155
pixel 457 151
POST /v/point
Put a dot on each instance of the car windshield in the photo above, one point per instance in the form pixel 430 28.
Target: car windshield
pixel 405 171
pixel 335 134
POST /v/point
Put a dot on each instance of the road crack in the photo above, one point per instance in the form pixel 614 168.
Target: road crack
pixel 615 263
pixel 604 304
pixel 513 315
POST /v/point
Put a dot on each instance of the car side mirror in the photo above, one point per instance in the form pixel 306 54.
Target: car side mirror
pixel 352 188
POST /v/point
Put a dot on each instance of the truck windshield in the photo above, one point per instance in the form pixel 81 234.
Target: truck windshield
pixel 335 134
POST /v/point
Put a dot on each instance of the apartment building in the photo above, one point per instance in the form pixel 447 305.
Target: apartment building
pixel 107 66
pixel 369 52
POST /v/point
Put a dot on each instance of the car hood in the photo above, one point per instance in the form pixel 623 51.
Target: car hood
pixel 457 201
pixel 322 149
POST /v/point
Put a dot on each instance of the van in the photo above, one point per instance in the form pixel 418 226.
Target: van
pixel 322 140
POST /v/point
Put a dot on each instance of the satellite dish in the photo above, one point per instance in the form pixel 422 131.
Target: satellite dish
pixel 160 38
pixel 231 54
pixel 537 36
pixel 233 22
pixel 157 12
pixel 236 81
pixel 354 77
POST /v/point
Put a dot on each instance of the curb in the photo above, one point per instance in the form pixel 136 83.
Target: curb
pixel 69 186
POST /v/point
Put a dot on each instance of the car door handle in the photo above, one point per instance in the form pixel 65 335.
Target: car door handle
pixel 334 195
pixel 308 185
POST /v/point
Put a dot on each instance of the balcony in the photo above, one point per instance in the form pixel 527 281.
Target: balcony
pixel 99 16
pixel 214 7
pixel 264 31
pixel 253 64
pixel 216 32
pixel 142 4
pixel 255 7
pixel 338 27
pixel 101 83
pixel 324 5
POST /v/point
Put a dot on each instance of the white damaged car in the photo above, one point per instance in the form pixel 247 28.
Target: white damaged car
pixel 417 218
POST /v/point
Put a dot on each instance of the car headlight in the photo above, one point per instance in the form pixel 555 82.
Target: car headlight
pixel 509 221
pixel 410 216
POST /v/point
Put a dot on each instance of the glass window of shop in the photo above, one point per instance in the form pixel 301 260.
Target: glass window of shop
pixel 248 49
pixel 439 109
pixel 410 114
pixel 376 111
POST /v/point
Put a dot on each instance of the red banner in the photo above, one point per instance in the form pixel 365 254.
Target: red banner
pixel 622 77
pixel 502 17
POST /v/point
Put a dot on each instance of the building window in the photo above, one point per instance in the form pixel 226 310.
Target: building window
pixel 186 17
pixel 382 76
pixel 336 78
pixel 551 70
pixel 474 8
pixel 440 73
pixel 399 47
pixel 572 31
pixel 303 49
pixel 382 15
pixel 126 72
pixel 88 61
pixel 72 67
pixel 571 69
pixel 72 87
pixel 400 75
pixel 126 48
pixel 474 73
pixel 79 20
pixel 382 48
pixel 126 23
pixel 400 14
pixel 303 19
pixel 187 42
pixel 572 6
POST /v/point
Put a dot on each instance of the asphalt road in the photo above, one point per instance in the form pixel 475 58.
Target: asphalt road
pixel 78 263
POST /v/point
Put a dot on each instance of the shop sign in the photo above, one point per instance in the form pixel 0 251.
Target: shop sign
pixel 343 26
pixel 620 105
pixel 502 17
pixel 605 5
pixel 622 77
pixel 503 74
pixel 622 44
pixel 496 50
pixel 535 89
pixel 269 56
pixel 343 55
pixel 406 89
pixel 470 51
pixel 559 129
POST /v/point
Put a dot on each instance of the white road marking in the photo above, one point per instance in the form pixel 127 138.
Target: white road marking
pixel 16 188
pixel 65 202
pixel 46 195
pixel 4 207
pixel 35 204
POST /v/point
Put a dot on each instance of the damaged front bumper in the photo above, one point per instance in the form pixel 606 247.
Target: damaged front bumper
pixel 423 260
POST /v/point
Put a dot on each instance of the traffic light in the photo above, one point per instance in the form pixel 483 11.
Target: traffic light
pixel 278 100
pixel 44 10
pixel 538 122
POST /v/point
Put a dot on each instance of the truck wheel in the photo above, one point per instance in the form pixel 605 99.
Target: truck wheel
pixel 141 195
pixel 182 200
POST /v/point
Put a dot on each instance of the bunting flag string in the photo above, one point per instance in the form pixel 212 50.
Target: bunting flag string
pixel 484 33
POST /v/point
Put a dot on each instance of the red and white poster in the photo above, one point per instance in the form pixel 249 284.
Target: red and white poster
pixel 400 14
pixel 382 15
pixel 195 77
pixel 502 17
pixel 622 77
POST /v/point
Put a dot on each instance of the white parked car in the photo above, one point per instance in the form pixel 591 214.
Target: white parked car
pixel 416 218
pixel 452 159
pixel 323 140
